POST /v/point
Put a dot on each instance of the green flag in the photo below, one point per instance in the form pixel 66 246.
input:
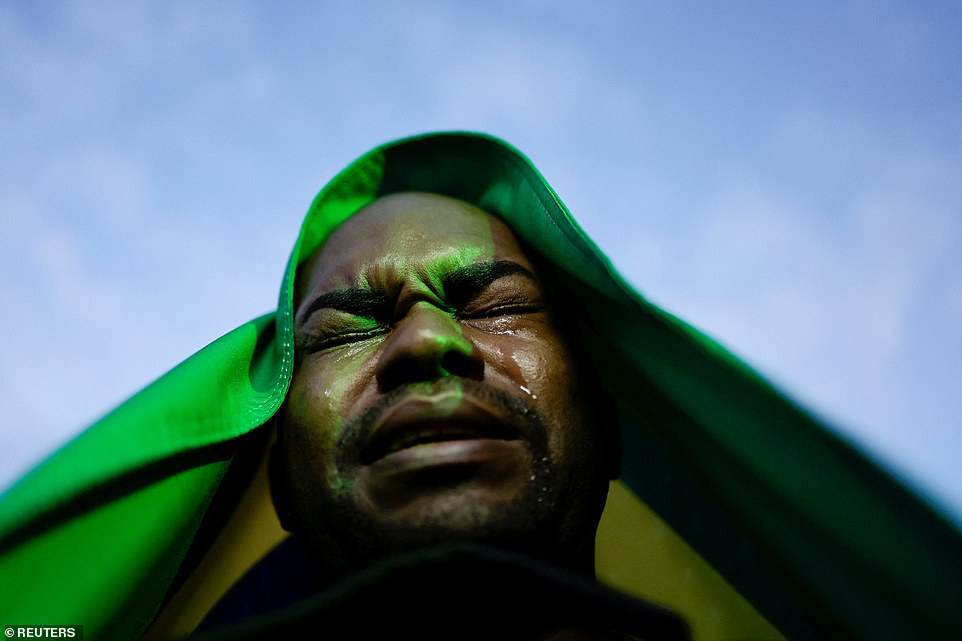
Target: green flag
pixel 735 507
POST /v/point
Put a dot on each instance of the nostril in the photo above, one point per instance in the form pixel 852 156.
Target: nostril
pixel 426 345
pixel 461 363
pixel 399 369
pixel 400 366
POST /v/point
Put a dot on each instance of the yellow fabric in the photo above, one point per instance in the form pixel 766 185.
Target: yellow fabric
pixel 638 553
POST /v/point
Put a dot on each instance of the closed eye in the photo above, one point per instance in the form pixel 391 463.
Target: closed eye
pixel 465 284
pixel 317 342
pixel 501 309
pixel 509 297
pixel 342 316
pixel 492 289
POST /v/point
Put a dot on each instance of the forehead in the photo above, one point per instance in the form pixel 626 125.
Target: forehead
pixel 419 233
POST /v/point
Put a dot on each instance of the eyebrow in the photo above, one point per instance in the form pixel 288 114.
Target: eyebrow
pixel 459 285
pixel 463 282
pixel 357 300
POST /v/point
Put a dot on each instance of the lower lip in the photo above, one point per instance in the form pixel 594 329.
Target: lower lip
pixel 428 456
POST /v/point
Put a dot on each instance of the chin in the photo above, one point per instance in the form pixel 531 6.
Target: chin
pixel 469 513
pixel 354 537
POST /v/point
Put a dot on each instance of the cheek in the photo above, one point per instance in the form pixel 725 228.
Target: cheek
pixel 307 435
pixel 320 399
pixel 552 377
pixel 540 366
pixel 511 363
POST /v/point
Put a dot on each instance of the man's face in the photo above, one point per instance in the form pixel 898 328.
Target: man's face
pixel 433 398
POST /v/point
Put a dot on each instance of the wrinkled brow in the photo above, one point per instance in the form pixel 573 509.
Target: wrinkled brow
pixel 459 286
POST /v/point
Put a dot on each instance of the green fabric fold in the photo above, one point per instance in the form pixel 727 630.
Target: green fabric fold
pixel 822 540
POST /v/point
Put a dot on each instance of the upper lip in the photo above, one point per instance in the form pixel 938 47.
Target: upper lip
pixel 423 419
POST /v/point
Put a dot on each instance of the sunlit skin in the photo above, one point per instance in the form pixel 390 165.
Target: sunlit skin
pixel 434 397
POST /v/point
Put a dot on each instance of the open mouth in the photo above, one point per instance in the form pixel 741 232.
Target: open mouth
pixel 397 437
pixel 432 442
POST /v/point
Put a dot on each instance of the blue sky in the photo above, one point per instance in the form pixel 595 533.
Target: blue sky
pixel 783 176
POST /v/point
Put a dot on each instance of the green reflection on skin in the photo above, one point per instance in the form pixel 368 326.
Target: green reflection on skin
pixel 428 278
pixel 340 485
pixel 403 265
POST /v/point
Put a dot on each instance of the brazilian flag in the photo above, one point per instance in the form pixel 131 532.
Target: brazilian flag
pixel 735 508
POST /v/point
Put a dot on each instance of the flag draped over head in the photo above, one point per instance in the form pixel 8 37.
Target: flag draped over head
pixel 735 507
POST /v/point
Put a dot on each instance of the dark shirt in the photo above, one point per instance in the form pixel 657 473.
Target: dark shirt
pixel 457 591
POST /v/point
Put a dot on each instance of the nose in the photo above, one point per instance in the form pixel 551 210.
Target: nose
pixel 425 345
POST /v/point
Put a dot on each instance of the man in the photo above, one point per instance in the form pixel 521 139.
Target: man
pixel 435 400
pixel 406 418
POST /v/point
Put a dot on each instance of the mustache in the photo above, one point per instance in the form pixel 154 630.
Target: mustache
pixel 514 409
